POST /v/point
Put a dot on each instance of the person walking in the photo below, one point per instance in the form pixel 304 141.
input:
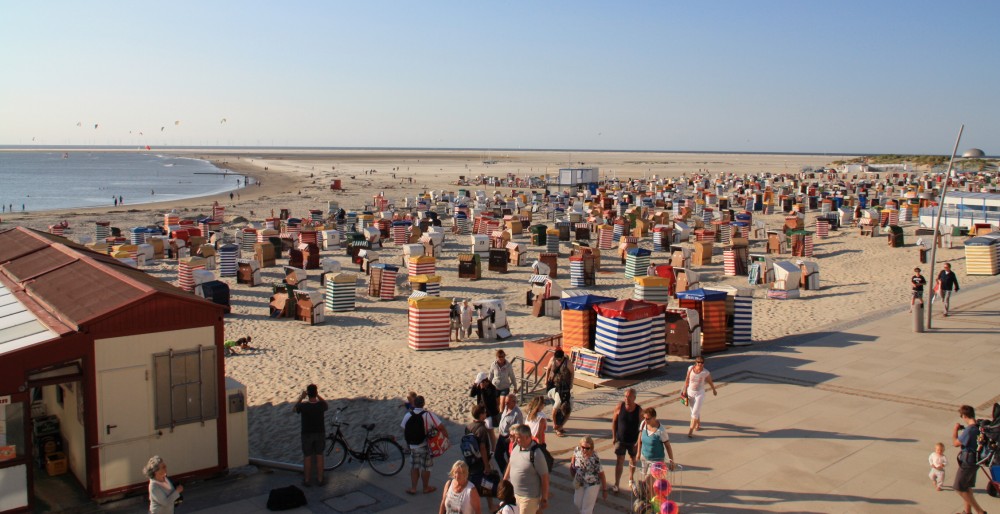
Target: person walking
pixel 479 466
pixel 965 435
pixel 535 419
pixel 509 418
pixel 455 317
pixel 486 395
pixel 311 407
pixel 415 434
pixel 162 492
pixel 466 318
pixel 694 390
pixel 528 473
pixel 654 445
pixel 625 434
pixel 947 282
pixel 502 376
pixel 505 493
pixel 559 374
pixel 917 282
pixel 588 476
pixel 459 495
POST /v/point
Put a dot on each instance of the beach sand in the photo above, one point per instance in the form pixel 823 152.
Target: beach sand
pixel 360 359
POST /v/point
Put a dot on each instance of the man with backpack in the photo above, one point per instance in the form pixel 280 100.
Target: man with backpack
pixel 528 471
pixel 416 424
pixel 475 447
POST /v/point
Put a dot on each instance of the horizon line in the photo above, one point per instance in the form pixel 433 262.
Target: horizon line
pixel 467 149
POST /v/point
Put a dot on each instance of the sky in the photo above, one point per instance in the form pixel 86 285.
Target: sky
pixel 785 76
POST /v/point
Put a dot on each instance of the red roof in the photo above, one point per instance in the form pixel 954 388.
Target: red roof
pixel 73 283
pixel 629 309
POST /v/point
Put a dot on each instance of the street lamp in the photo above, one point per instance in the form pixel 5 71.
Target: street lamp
pixel 972 153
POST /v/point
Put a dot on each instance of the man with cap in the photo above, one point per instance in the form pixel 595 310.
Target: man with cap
pixel 486 395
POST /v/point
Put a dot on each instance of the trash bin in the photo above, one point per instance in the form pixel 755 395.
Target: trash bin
pixel 895 236
pixel 538 234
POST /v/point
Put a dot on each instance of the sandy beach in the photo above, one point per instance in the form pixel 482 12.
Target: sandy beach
pixel 360 359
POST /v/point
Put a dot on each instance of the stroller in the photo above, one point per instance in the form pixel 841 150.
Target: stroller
pixel 642 492
pixel 988 451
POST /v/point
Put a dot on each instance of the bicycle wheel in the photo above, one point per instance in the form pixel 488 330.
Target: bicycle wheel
pixel 336 454
pixel 385 456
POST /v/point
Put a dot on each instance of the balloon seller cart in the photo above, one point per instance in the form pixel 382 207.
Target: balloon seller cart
pixel 659 491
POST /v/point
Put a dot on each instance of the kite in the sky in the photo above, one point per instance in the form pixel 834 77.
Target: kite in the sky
pixel 79 124
pixel 95 126
pixel 178 122
pixel 161 129
pixel 223 120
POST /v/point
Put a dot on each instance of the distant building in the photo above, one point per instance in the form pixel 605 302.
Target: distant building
pixel 572 177
pixel 964 209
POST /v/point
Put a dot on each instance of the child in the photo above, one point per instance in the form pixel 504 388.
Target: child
pixel 410 398
pixel 917 282
pixel 937 462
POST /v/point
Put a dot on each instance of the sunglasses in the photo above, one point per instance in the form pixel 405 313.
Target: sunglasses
pixel 586 447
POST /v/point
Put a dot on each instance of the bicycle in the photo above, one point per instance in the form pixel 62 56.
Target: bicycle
pixel 382 453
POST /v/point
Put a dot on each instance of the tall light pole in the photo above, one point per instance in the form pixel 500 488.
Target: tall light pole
pixel 937 222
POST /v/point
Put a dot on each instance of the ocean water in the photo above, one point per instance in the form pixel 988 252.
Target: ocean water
pixel 54 180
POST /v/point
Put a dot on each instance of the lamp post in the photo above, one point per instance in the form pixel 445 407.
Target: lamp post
pixel 937 222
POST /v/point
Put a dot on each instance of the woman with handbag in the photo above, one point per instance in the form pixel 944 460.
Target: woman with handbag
pixel 694 391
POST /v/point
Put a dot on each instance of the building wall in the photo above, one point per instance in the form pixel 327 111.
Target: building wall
pixel 188 448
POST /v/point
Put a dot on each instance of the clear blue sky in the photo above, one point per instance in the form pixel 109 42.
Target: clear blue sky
pixel 791 76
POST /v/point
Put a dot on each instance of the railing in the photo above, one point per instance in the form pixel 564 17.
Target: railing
pixel 531 380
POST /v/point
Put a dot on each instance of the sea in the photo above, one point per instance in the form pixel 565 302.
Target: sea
pixel 38 181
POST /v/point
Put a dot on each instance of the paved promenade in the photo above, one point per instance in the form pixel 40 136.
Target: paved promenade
pixel 837 421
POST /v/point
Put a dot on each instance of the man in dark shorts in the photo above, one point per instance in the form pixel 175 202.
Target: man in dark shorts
pixel 964 436
pixel 312 408
pixel 625 434
pixel 917 282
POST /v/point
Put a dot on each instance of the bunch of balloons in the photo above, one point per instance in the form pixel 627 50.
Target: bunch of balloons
pixel 658 471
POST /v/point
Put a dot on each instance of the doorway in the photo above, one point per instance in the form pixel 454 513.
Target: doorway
pixel 58 447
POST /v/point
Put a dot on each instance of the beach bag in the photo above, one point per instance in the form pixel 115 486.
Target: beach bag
pixel 549 460
pixel 437 442
pixel 286 498
pixel 488 484
pixel 414 432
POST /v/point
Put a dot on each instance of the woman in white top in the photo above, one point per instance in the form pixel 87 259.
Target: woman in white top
pixel 459 496
pixel 694 389
pixel 535 419
pixel 162 493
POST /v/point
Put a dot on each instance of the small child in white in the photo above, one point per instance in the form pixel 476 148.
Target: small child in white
pixel 937 461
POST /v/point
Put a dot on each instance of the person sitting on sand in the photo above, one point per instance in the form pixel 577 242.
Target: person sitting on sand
pixel 242 343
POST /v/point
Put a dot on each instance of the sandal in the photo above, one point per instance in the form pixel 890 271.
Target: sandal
pixel 614 489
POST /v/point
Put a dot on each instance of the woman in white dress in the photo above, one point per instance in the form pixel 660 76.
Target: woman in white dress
pixel 694 389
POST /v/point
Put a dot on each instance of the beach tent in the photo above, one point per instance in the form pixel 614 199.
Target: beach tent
pixel 429 323
pixel 382 283
pixel 982 255
pixel 636 262
pixel 579 319
pixel 624 336
pixel 652 289
pixel 581 271
pixel 340 291
pixel 711 306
